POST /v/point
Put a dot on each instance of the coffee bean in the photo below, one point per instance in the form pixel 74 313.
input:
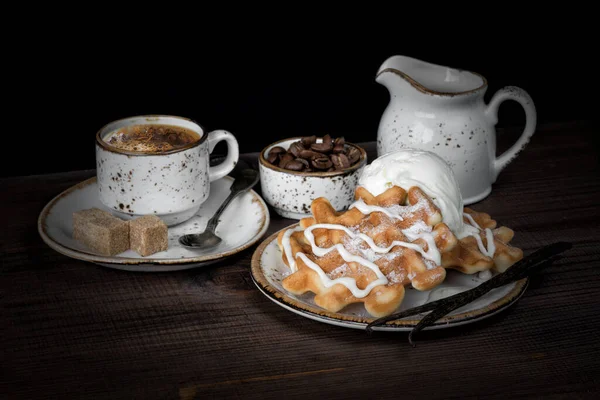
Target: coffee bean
pixel 321 163
pixel 324 147
pixel 353 155
pixel 284 159
pixel 340 161
pixel 272 157
pixel 296 148
pixel 307 141
pixel 309 155
pixel 277 150
pixel 294 165
pixel 304 162
pixel 338 148
pixel 339 145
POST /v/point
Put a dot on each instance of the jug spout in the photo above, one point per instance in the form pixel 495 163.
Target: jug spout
pixel 427 78
pixel 391 75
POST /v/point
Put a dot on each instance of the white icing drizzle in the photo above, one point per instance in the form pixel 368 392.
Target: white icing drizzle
pixel 367 209
pixel 432 254
pixel 287 247
pixel 489 237
pixel 472 221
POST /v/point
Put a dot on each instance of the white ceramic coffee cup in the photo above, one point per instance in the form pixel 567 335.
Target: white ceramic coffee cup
pixel 171 185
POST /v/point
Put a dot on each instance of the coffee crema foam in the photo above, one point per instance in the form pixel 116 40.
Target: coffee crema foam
pixel 151 138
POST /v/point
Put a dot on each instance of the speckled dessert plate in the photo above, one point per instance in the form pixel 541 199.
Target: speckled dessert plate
pixel 243 223
pixel 268 270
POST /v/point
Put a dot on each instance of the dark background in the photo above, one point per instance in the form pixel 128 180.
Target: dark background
pixel 262 88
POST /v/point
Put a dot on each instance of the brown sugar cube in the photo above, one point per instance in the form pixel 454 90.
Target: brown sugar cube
pixel 148 235
pixel 101 231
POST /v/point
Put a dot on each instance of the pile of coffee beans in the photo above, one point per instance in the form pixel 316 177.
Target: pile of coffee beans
pixel 308 155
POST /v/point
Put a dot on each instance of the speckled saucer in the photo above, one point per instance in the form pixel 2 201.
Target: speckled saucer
pixel 243 223
pixel 268 270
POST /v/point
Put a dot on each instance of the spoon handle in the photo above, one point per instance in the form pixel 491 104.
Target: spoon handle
pixel 214 221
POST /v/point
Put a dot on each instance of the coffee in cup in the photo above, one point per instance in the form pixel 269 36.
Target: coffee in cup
pixel 151 138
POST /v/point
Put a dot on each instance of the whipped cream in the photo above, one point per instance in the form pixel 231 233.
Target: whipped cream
pixel 427 170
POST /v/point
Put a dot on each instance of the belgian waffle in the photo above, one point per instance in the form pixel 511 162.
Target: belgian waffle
pixel 382 244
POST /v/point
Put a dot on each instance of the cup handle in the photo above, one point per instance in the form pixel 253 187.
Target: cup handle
pixel 522 97
pixel 233 154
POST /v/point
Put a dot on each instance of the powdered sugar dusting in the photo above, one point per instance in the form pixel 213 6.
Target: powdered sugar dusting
pixel 429 264
pixel 395 277
pixel 413 232
pixel 357 246
pixel 342 270
pixel 393 254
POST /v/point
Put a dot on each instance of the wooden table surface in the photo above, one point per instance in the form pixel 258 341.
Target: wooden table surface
pixel 73 329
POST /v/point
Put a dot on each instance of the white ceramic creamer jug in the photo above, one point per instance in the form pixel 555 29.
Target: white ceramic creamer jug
pixel 442 110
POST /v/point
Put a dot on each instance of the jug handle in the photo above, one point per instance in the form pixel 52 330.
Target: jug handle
pixel 522 97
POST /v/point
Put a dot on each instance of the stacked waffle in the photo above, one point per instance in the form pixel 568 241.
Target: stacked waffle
pixel 384 243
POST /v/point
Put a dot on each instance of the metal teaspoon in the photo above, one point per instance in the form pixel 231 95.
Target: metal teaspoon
pixel 246 180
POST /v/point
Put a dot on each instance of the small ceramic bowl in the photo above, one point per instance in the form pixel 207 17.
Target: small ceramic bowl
pixel 291 193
